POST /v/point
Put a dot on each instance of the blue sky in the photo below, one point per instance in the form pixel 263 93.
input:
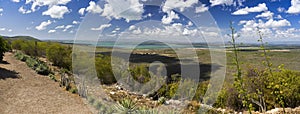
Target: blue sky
pixel 61 19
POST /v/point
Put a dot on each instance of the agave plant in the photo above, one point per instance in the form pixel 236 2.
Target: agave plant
pixel 126 106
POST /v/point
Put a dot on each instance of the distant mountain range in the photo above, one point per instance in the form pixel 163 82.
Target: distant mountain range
pixel 21 37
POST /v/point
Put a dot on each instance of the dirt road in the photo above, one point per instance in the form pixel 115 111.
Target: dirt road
pixel 24 91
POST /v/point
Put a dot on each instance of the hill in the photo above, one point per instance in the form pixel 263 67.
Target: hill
pixel 21 37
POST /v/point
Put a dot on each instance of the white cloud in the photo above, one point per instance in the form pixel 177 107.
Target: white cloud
pixel 279 17
pixel 68 27
pixel 51 31
pixel 129 9
pixel 201 9
pixel 169 18
pixel 43 25
pixel 50 3
pixel 280 9
pixel 23 11
pixel 176 29
pixel 288 33
pixel 15 0
pixel 137 31
pixel 190 24
pixel 60 27
pixel 221 2
pixel 1 10
pixel 92 8
pixel 189 32
pixel 295 7
pixel 10 30
pixel 2 29
pixel 132 27
pixel 81 11
pixel 269 27
pixel 276 24
pixel 75 22
pixel 101 27
pixel 271 23
pixel 244 11
pixel 181 4
pixel 57 12
pixel 266 14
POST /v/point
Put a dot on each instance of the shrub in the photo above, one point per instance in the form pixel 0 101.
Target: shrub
pixel 104 71
pixel 60 56
pixel 4 47
pixel 35 64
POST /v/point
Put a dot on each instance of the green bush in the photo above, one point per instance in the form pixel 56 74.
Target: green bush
pixel 104 71
pixel 140 73
pixel 60 56
pixel 4 47
pixel 35 64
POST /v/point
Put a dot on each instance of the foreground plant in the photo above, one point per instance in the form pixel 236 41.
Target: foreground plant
pixel 238 80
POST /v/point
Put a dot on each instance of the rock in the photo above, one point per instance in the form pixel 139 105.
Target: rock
pixel 112 93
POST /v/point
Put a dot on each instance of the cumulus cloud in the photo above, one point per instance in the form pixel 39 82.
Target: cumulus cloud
pixel 221 2
pixel 2 29
pixel 266 14
pixel 68 27
pixel 175 29
pixel 137 31
pixel 51 31
pixel 244 11
pixel 23 10
pixel 132 27
pixel 201 9
pixel 288 33
pixel 57 12
pixel 1 10
pixel 60 27
pixel 15 0
pixel 75 22
pixel 92 8
pixel 81 11
pixel 295 7
pixel 43 25
pixel 269 28
pixel 180 4
pixel 280 9
pixel 50 3
pixel 276 24
pixel 101 27
pixel 169 18
pixel 129 9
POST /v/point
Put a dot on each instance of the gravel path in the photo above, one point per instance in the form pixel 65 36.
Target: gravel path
pixel 22 91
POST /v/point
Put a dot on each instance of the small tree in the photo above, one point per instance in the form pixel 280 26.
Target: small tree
pixel 4 47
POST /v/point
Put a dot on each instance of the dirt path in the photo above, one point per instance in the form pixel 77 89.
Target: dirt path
pixel 24 91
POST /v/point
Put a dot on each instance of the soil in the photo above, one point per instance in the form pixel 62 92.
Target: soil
pixel 22 90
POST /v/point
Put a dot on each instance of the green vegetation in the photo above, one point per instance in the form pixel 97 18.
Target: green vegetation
pixel 259 85
pixel 261 81
pixel 58 54
pixel 4 47
pixel 37 65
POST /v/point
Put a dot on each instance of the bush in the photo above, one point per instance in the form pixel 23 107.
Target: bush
pixel 60 56
pixel 4 47
pixel 104 71
pixel 35 64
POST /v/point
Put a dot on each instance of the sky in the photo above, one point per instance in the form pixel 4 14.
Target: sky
pixel 278 20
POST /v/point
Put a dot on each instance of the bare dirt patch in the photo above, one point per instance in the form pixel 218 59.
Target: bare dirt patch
pixel 24 91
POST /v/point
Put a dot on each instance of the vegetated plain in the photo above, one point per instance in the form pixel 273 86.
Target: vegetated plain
pixel 252 66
